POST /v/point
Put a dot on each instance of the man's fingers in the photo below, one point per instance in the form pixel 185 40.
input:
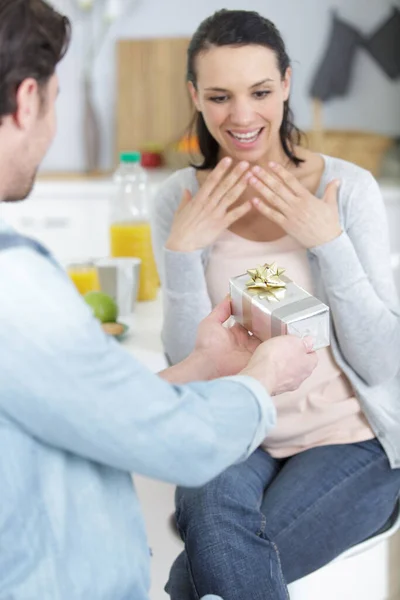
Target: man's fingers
pixel 313 360
pixel 222 311
pixel 308 341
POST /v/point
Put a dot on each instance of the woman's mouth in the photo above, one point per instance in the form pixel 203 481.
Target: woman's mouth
pixel 246 138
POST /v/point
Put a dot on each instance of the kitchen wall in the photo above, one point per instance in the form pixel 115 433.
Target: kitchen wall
pixel 373 104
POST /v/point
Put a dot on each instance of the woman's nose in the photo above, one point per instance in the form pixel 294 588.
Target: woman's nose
pixel 241 113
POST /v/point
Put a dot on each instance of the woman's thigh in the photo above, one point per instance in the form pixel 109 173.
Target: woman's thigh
pixel 238 489
pixel 223 529
pixel 327 499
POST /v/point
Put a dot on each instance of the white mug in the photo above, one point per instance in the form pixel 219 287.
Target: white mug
pixel 119 278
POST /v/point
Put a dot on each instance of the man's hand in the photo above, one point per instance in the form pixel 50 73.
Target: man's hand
pixel 227 350
pixel 282 363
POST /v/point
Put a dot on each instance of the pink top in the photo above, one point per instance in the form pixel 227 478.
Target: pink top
pixel 324 409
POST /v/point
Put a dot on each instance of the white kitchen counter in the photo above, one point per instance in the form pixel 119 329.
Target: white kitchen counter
pixel 71 215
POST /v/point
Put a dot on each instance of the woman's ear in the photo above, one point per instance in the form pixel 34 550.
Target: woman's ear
pixel 194 95
pixel 286 83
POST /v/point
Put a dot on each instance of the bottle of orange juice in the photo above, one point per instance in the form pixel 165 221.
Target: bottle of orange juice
pixel 130 234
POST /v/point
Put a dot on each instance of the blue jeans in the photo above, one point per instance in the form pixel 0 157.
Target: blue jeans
pixel 267 522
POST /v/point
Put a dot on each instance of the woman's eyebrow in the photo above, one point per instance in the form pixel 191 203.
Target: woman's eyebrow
pixel 218 89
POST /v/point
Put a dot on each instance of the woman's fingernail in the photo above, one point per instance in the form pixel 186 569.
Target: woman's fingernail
pixel 227 161
pixel 256 201
pixel 243 165
pixel 272 164
pixel 256 169
pixel 254 180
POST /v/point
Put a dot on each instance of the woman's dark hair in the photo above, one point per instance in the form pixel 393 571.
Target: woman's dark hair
pixel 33 39
pixel 238 28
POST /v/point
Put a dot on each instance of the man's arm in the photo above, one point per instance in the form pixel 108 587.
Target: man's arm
pixel 192 368
pixel 66 383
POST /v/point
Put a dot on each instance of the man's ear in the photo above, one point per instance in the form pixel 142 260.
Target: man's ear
pixel 194 95
pixel 28 102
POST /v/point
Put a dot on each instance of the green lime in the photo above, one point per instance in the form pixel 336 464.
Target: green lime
pixel 103 306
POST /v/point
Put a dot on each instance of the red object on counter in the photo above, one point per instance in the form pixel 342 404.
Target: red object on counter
pixel 151 160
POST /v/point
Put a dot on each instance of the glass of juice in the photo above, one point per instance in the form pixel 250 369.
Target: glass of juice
pixel 85 276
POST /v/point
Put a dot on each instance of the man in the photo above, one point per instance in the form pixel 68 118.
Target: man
pixel 77 413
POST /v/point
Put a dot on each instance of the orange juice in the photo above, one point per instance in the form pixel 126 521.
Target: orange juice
pixel 133 239
pixel 85 278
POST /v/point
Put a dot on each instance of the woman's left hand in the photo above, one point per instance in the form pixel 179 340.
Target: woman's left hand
pixel 286 202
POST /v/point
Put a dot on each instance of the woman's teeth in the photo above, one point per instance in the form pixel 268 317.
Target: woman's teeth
pixel 246 138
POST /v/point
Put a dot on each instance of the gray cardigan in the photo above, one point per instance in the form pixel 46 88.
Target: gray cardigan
pixel 351 274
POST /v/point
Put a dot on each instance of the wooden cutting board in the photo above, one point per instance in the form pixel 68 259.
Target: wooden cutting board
pixel 153 103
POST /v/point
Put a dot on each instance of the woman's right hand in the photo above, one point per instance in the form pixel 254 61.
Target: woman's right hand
pixel 199 221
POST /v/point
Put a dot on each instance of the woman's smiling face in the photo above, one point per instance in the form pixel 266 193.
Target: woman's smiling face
pixel 241 94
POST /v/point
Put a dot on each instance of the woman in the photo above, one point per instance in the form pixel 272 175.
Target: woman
pixel 328 476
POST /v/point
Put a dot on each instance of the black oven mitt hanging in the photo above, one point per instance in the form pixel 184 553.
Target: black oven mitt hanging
pixel 333 75
pixel 384 45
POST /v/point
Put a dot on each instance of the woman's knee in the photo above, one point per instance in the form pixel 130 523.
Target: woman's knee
pixel 221 504
pixel 222 495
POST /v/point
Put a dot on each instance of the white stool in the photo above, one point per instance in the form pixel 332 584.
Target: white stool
pixel 360 573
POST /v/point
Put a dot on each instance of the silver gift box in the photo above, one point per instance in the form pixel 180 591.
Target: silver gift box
pixel 296 312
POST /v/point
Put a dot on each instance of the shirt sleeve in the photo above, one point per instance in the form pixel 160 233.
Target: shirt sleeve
pixel 185 296
pixel 69 385
pixel 356 272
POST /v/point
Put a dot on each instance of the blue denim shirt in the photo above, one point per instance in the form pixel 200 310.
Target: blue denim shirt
pixel 78 414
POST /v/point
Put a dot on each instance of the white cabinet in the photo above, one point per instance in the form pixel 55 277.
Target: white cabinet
pixel 73 228
pixel 70 218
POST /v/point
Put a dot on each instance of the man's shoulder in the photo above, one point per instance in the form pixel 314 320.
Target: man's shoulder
pixel 10 239
pixel 34 285
pixel 24 259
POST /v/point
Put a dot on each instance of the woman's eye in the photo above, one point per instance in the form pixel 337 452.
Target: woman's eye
pixel 218 99
pixel 261 94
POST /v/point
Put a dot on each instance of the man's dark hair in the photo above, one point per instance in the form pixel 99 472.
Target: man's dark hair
pixel 33 39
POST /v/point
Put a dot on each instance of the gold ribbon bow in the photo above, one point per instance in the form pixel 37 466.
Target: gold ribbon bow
pixel 267 283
